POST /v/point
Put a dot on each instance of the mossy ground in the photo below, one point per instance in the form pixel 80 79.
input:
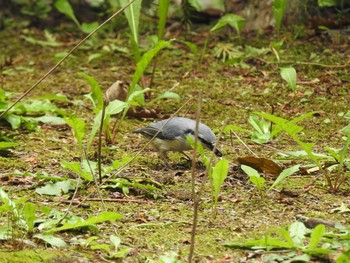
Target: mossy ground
pixel 155 226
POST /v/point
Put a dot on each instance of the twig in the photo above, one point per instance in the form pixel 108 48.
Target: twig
pixel 245 145
pixel 65 57
pixel 195 197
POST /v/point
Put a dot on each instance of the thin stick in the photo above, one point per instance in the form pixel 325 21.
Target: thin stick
pixel 65 57
pixel 195 197
pixel 99 150
pixel 231 131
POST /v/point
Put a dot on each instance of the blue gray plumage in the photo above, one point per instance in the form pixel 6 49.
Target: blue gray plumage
pixel 173 132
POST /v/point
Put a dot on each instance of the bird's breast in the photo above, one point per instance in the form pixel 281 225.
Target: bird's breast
pixel 177 145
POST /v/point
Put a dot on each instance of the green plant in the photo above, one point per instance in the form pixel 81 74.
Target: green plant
pixel 255 178
pixel 259 181
pixel 279 8
pixel 234 21
pixel 29 113
pixel 290 76
pixel 21 221
pixel 263 131
pixel 64 7
pixel 132 14
pixel 300 244
pixel 217 173
pixel 339 156
pixel 37 8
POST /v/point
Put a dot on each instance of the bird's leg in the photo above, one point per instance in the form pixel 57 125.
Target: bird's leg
pixel 164 157
pixel 188 158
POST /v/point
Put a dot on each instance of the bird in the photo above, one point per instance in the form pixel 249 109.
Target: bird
pixel 171 135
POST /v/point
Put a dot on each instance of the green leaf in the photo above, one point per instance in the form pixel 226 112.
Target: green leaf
pixel 14 120
pixel 263 243
pixel 49 189
pixel 29 215
pixel 166 95
pixel 51 120
pixel 132 14
pixel 6 145
pixel 290 76
pixel 219 175
pixel 254 176
pixel 250 171
pixel 89 27
pixel 285 173
pixel 346 130
pixel 316 236
pixel 297 231
pixel 327 3
pixel 76 167
pixel 78 126
pixel 196 4
pixel 94 56
pixel 52 240
pixel 235 21
pixel 64 7
pixel 102 217
pixel 279 8
pixel 96 95
pixel 137 98
pixel 163 7
pixel 144 62
pixel 115 107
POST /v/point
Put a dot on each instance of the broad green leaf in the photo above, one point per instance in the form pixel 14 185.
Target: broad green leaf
pixel 14 120
pixel 346 130
pixel 297 232
pixel 95 128
pixel 115 107
pixel 29 215
pixel 52 240
pixel 89 27
pixel 263 243
pixel 235 21
pixel 144 62
pixel 102 217
pixel 66 185
pixel 78 127
pixel 163 7
pixel 196 4
pixel 279 8
pixel 132 14
pixel 96 95
pixel 76 167
pixel 94 56
pixel 137 98
pixel 115 241
pixel 250 171
pixel 166 95
pixel 290 76
pixel 49 189
pixel 254 176
pixel 316 236
pixel 286 236
pixel 219 175
pixel 257 181
pixel 6 145
pixel 64 7
pixel 327 3
pixel 52 120
pixel 285 173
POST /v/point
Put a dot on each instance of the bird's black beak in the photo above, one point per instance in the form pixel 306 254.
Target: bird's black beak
pixel 218 153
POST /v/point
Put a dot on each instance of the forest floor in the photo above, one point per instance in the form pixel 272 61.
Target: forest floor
pixel 155 201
